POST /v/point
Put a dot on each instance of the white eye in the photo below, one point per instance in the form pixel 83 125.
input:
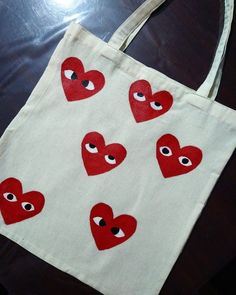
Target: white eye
pixel 139 96
pixel 165 151
pixel 10 197
pixel 70 75
pixel 156 105
pixel 185 161
pixel 117 232
pixel 88 84
pixel 91 148
pixel 99 221
pixel 27 206
pixel 110 159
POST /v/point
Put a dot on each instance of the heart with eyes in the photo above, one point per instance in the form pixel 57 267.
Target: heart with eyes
pixel 15 205
pixel 174 160
pixel 98 157
pixel 145 105
pixel 77 83
pixel 108 231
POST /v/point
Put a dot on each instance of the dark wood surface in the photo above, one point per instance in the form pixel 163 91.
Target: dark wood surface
pixel 179 40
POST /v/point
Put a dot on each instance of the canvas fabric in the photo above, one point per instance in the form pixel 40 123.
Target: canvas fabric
pixel 108 165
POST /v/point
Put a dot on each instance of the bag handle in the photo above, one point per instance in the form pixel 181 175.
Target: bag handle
pixel 126 32
pixel 211 84
pixel 129 29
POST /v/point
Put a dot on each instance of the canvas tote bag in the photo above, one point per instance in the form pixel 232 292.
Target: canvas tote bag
pixel 106 168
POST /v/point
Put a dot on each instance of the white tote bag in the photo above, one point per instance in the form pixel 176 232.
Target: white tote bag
pixel 106 168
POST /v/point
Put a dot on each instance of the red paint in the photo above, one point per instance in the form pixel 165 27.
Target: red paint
pixel 96 163
pixel 12 210
pixel 145 109
pixel 171 165
pixel 73 87
pixel 104 238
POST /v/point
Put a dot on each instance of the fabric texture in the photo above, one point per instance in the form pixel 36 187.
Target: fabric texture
pixel 107 167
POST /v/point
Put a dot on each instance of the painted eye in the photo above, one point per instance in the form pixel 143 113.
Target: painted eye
pixel 117 232
pixel 99 221
pixel 110 159
pixel 27 206
pixel 185 161
pixel 70 75
pixel 139 96
pixel 91 148
pixel 88 84
pixel 165 151
pixel 156 105
pixel 10 197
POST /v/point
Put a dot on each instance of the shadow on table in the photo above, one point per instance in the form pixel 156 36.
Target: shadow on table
pixel 221 284
pixel 3 291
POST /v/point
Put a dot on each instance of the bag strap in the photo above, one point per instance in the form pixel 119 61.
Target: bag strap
pixel 211 84
pixel 129 29
pixel 126 32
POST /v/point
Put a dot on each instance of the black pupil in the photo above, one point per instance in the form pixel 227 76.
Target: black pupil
pixel 157 104
pixel 92 146
pixel 10 197
pixel 185 161
pixel 115 230
pixel 140 94
pixel 74 76
pixel 111 157
pixel 102 222
pixel 165 151
pixel 85 83
pixel 28 207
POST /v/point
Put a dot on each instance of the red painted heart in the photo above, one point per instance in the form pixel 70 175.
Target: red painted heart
pixel 108 231
pixel 174 160
pixel 100 158
pixel 77 83
pixel 145 105
pixel 15 205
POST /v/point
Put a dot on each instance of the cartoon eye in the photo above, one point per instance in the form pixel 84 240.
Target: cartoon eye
pixel 110 159
pixel 185 161
pixel 99 221
pixel 91 148
pixel 27 206
pixel 156 105
pixel 10 197
pixel 165 151
pixel 139 96
pixel 70 75
pixel 117 232
pixel 88 84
